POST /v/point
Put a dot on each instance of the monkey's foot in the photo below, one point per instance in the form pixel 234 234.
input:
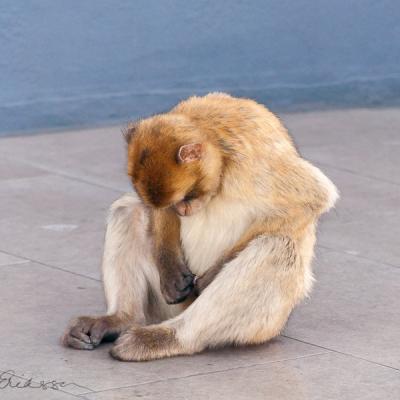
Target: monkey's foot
pixel 146 343
pixel 86 333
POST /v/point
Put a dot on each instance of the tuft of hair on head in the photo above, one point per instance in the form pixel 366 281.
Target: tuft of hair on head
pixel 129 131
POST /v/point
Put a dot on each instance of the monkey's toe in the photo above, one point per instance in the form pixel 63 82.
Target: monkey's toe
pixel 180 296
pixel 77 343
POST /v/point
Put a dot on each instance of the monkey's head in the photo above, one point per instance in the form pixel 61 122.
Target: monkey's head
pixel 172 164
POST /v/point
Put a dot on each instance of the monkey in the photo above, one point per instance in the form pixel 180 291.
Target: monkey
pixel 221 194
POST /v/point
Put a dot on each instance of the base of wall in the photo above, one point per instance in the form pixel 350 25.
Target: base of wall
pixel 109 108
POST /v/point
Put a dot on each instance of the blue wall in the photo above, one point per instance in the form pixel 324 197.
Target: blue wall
pixel 68 63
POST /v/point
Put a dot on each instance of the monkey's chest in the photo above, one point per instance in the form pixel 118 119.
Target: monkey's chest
pixel 206 235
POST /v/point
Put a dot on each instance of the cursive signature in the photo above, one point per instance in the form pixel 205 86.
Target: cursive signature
pixel 8 379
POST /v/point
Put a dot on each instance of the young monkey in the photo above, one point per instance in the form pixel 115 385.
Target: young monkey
pixel 224 196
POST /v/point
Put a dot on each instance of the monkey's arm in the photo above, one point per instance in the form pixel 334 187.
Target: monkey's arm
pixel 176 280
pixel 260 228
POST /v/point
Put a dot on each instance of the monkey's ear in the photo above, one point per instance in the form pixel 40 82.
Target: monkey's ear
pixel 129 131
pixel 190 152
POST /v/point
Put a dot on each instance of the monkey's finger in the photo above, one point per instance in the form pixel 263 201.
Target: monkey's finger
pixel 97 333
pixel 183 294
pixel 80 335
pixel 74 342
pixel 185 285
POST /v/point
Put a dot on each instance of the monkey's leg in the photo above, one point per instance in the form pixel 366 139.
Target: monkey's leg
pixel 248 302
pixel 131 280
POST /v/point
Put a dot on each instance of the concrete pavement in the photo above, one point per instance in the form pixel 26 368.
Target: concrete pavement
pixel 342 343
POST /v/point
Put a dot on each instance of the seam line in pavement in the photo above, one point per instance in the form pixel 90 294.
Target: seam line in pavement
pixel 49 266
pixel 361 175
pixel 210 372
pixel 82 180
pixel 357 256
pixel 51 171
pixel 342 353
pixel 14 263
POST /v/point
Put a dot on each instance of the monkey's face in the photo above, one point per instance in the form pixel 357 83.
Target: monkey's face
pixel 167 169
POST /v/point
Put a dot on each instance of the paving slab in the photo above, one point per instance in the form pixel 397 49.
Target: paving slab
pixel 7 259
pixel 342 343
pixel 37 302
pixel 9 390
pixel 55 220
pixel 13 169
pixel 47 298
pixel 354 308
pixel 366 220
pixel 358 149
pixel 365 141
pixel 320 377
pixel 95 155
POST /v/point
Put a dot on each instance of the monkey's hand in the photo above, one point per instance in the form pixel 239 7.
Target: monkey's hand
pixel 86 333
pixel 176 283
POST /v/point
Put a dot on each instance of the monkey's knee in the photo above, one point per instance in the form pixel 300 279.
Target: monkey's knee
pixel 127 219
pixel 122 208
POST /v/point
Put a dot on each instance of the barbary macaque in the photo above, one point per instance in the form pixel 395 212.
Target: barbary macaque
pixel 216 245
